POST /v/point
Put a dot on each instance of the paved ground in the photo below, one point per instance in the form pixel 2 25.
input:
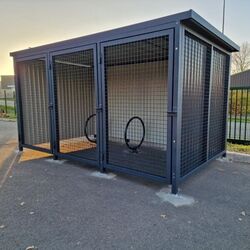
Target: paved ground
pixel 8 131
pixel 8 141
pixel 51 205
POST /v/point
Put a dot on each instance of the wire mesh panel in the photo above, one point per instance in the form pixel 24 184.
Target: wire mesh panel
pixel 34 102
pixel 75 94
pixel 136 75
pixel 239 115
pixel 197 58
pixel 218 103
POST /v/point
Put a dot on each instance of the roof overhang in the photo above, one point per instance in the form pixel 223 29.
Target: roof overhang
pixel 201 26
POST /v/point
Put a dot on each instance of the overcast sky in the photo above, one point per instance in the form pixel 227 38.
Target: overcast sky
pixel 29 23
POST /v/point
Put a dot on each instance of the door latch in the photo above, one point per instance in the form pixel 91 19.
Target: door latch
pixel 172 113
pixel 50 106
pixel 99 108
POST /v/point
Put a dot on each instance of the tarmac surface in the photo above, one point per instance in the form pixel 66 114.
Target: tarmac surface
pixel 47 204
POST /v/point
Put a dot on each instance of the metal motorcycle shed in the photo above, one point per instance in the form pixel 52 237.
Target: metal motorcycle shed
pixel 149 99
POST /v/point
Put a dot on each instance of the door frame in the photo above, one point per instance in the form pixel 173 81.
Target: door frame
pixel 19 103
pixel 56 149
pixel 153 34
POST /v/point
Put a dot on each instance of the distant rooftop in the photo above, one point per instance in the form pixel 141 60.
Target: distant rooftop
pixel 241 79
pixel 7 81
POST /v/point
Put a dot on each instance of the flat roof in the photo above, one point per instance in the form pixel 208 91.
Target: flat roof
pixel 189 18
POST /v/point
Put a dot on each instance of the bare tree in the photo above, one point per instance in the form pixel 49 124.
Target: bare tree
pixel 241 59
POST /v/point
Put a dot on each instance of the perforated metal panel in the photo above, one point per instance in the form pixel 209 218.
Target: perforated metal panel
pixel 136 76
pixel 197 57
pixel 33 86
pixel 75 103
pixel 218 103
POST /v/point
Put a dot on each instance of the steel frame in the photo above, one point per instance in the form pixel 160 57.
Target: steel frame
pixel 169 33
pixel 54 118
pixel 22 144
pixel 213 46
pixel 174 26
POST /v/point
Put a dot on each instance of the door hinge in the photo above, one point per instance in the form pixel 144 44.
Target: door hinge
pixel 50 106
pixel 100 59
pixel 172 113
pixel 99 108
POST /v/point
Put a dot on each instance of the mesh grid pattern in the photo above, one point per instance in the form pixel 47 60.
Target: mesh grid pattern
pixel 239 109
pixel 197 56
pixel 34 101
pixel 75 94
pixel 136 85
pixel 218 103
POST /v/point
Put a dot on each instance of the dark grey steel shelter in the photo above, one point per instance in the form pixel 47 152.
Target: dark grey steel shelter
pixel 148 99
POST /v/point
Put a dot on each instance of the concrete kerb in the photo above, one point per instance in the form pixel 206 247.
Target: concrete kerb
pixel 7 120
pixel 238 157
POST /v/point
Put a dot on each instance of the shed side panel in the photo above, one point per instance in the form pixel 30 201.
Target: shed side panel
pixel 218 103
pixel 196 76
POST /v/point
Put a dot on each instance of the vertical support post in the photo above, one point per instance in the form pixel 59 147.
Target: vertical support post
pixel 53 105
pixel 227 79
pixel 99 105
pixel 177 105
pixel 102 81
pixel 209 99
pixel 18 107
pixel 170 112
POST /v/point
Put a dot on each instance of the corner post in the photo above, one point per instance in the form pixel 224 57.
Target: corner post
pixel 209 100
pixel 177 105
pixel 52 109
pixel 228 79
pixel 18 107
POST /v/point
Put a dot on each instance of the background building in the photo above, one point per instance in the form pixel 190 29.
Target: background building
pixel 7 82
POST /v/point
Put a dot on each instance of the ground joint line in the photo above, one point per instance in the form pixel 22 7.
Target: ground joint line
pixel 9 168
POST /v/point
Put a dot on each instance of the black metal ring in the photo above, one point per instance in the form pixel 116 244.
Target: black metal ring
pixel 134 148
pixel 85 129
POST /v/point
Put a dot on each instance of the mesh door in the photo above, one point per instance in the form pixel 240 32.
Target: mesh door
pixel 197 57
pixel 218 103
pixel 75 94
pixel 34 102
pixel 136 76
